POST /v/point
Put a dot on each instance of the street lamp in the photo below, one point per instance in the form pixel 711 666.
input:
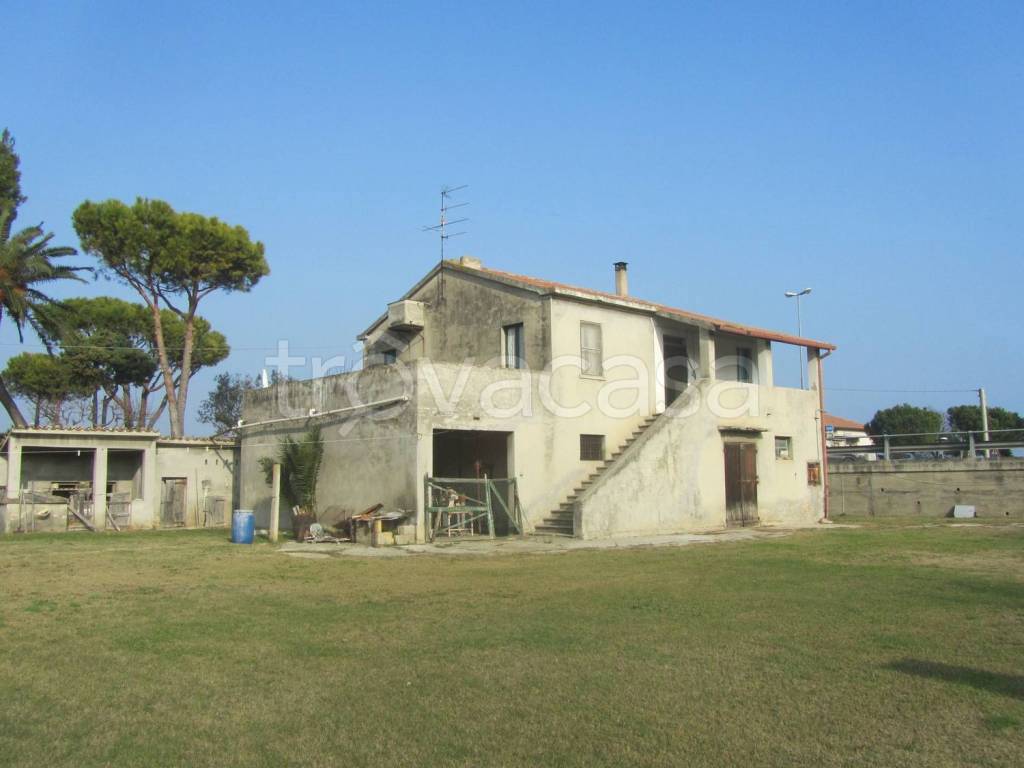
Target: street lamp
pixel 799 324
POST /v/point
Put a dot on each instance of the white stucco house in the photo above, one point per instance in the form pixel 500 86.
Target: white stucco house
pixel 603 414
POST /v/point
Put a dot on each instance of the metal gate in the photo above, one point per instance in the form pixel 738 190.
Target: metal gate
pixel 740 484
pixel 464 506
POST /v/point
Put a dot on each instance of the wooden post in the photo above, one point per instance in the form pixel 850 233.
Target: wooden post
pixel 490 513
pixel 275 501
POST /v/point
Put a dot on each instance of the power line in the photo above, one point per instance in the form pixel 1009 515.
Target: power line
pixel 274 348
pixel 903 391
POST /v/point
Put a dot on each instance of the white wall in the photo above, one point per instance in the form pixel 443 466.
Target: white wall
pixel 673 478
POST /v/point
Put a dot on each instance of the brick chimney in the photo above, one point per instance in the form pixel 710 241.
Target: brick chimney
pixel 621 279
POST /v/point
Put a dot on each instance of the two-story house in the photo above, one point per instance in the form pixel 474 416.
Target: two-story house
pixel 614 415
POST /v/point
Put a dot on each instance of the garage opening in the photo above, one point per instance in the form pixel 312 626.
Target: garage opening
pixel 57 488
pixel 472 489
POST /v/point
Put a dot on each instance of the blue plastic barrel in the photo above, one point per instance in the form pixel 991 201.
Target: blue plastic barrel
pixel 243 526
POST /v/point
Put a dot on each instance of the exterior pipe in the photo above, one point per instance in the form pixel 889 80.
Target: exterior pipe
pixel 825 483
pixel 373 404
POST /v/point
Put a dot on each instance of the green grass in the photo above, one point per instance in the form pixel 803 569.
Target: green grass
pixel 877 646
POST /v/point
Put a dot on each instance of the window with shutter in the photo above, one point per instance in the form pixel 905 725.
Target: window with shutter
pixel 515 350
pixel 590 349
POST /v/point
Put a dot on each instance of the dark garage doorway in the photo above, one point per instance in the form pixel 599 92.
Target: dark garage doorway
pixel 476 454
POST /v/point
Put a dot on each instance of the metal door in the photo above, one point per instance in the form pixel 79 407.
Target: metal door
pixel 740 484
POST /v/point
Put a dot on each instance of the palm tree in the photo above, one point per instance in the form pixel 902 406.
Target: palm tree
pixel 27 264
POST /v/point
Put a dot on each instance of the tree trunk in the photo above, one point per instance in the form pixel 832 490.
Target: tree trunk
pixel 35 420
pixel 7 400
pixel 186 367
pixel 157 414
pixel 127 407
pixel 143 412
pixel 95 408
pixel 165 369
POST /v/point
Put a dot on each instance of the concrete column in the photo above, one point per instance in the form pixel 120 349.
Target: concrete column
pixel 765 372
pixel 150 489
pixel 13 468
pixel 812 368
pixel 706 364
pixel 8 514
pixel 99 488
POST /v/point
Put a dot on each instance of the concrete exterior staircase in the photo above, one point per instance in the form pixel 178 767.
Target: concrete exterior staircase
pixel 560 522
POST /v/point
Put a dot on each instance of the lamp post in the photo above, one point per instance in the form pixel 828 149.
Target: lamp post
pixel 799 324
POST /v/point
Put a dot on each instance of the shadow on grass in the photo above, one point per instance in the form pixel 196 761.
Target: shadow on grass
pixel 994 682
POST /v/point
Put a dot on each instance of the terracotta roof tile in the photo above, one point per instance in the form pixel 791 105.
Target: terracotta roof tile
pixel 722 325
pixel 840 423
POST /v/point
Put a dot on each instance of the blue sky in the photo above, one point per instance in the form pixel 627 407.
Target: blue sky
pixel 728 151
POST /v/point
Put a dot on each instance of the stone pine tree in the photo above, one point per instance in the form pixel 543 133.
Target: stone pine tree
pixel 115 340
pixel 47 382
pixel 28 264
pixel 172 260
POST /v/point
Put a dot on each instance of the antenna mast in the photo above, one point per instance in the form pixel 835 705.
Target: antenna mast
pixel 447 205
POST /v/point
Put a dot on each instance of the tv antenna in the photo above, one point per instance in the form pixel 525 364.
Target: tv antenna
pixel 447 205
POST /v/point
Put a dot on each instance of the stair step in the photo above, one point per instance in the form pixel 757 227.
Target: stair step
pixel 560 521
pixel 562 530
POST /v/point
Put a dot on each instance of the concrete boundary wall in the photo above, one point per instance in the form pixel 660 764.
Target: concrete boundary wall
pixel 927 488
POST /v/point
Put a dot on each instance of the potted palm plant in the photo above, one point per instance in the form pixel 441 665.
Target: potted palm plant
pixel 300 462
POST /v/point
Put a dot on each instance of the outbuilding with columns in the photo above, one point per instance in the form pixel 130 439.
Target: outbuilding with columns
pixel 59 478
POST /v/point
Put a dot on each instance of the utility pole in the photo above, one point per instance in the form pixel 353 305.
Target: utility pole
pixel 983 400
pixel 799 327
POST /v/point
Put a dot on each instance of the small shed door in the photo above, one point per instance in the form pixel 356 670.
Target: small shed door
pixel 740 484
pixel 172 502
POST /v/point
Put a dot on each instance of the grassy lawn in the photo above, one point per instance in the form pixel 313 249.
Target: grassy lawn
pixel 877 646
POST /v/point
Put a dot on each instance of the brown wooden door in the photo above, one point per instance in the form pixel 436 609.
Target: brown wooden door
pixel 740 484
pixel 172 503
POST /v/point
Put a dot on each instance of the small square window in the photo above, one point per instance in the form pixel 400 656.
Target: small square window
pixel 591 447
pixel 783 447
pixel 813 473
pixel 389 356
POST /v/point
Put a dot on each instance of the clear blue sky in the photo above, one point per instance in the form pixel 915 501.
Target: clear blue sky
pixel 728 151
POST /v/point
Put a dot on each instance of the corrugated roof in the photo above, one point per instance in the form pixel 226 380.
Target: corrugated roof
pixel 611 299
pixel 86 430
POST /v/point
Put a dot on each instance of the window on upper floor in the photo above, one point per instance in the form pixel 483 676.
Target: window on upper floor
pixel 744 365
pixel 590 349
pixel 514 349
pixel 389 356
